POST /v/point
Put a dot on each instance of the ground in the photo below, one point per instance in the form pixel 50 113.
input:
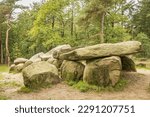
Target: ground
pixel 136 89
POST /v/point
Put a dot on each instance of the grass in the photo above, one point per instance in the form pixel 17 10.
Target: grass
pixel 120 85
pixel 84 87
pixel 10 84
pixel 4 68
pixel 3 97
pixel 26 90
pixel 145 68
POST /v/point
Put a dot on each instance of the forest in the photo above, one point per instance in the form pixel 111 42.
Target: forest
pixel 44 25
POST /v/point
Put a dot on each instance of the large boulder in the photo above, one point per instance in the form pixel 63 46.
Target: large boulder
pixel 20 60
pixel 40 74
pixel 103 72
pixel 101 50
pixel 128 64
pixel 72 71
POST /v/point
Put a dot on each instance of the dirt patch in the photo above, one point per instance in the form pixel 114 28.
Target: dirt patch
pixel 135 90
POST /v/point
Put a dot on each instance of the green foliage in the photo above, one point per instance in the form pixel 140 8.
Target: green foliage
pixel 75 22
pixel 117 34
pixel 141 19
pixel 145 40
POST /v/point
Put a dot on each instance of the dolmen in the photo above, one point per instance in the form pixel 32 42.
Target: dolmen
pixel 99 64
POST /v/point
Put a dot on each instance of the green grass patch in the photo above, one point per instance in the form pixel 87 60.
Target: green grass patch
pixel 10 84
pixel 3 97
pixel 144 68
pixel 84 87
pixel 25 90
pixel 4 68
pixel 120 85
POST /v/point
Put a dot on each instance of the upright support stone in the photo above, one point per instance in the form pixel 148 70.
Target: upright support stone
pixel 102 72
pixel 128 64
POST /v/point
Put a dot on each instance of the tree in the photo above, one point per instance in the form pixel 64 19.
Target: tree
pixel 97 9
pixel 3 12
pixel 141 19
pixel 7 8
pixel 23 44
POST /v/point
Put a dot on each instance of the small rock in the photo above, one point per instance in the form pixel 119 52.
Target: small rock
pixel 20 60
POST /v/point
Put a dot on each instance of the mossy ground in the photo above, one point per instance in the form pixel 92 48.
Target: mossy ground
pixel 25 90
pixel 84 87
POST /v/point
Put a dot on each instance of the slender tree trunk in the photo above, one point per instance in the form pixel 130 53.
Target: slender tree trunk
pixel 53 22
pixel 0 47
pixel 72 20
pixel 122 13
pixel 2 55
pixel 102 27
pixel 7 41
pixel 63 29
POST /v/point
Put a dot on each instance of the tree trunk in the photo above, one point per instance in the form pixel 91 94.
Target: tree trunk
pixel 102 28
pixel 72 20
pixel 7 41
pixel 0 47
pixel 53 22
pixel 2 55
pixel 63 29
